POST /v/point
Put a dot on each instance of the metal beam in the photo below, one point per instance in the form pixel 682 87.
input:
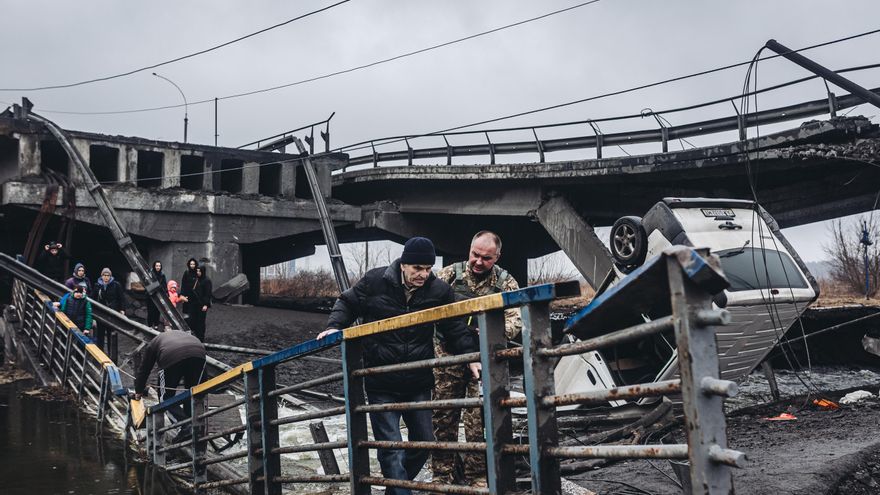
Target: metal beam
pixel 576 238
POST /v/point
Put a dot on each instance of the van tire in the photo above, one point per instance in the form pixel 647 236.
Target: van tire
pixel 629 242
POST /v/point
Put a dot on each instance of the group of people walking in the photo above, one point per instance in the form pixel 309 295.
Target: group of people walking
pixel 408 285
pixel 192 296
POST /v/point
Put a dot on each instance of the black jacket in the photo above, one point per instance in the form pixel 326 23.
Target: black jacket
pixel 200 294
pixel 381 294
pixel 109 295
pixel 52 266
pixel 167 349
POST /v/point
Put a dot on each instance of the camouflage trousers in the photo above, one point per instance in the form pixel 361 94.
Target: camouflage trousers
pixel 456 382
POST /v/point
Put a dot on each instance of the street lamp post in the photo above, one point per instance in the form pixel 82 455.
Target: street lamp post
pixel 185 105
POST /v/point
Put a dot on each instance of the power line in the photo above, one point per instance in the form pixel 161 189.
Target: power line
pixel 615 93
pixel 184 57
pixel 342 71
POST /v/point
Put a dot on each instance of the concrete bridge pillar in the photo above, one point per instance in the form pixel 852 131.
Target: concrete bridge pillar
pixel 84 149
pixel 129 166
pixel 576 238
pixel 171 169
pixel 29 154
pixel 250 178
pixel 288 179
pixel 211 183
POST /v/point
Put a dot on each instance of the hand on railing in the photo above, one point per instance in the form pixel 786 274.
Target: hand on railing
pixel 476 368
pixel 327 332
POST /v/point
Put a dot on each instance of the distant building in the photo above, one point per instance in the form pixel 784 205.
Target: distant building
pixel 280 270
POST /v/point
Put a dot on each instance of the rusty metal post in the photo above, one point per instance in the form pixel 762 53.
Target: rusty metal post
pixel 43 312
pixel 158 438
pixel 698 366
pixel 497 421
pixel 358 458
pixel 67 345
pixel 269 432
pixel 538 383
pixel 148 426
pixel 254 434
pixel 198 429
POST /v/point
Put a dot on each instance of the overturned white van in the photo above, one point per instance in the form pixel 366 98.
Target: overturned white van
pixel 769 288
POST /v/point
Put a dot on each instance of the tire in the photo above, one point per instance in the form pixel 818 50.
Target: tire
pixel 629 242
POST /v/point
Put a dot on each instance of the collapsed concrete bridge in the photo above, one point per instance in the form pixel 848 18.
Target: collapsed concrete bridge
pixel 237 210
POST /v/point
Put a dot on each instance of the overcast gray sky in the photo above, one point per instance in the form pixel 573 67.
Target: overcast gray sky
pixel 606 46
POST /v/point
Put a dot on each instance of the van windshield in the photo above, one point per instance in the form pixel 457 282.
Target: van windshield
pixel 750 269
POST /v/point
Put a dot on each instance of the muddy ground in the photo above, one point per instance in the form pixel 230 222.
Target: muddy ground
pixel 272 329
pixel 821 452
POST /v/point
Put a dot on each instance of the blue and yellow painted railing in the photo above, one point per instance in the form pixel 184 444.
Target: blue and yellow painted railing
pixel 87 344
pixel 504 300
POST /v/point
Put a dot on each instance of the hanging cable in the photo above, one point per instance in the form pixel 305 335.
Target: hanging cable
pixel 339 72
pixel 183 57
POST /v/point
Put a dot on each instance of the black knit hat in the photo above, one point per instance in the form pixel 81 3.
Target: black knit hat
pixel 418 251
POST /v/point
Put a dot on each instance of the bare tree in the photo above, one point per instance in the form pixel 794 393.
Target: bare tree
pixel 361 257
pixel 847 254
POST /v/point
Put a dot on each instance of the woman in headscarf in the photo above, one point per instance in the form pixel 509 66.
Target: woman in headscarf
pixel 199 302
pixel 152 309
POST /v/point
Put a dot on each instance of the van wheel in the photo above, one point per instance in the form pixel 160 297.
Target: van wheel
pixel 629 243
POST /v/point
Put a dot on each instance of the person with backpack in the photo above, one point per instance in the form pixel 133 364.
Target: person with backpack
pixel 478 276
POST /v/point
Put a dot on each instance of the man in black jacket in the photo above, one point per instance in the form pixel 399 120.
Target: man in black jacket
pixel 407 285
pixel 180 356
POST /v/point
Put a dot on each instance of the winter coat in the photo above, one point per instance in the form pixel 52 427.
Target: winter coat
pixel 167 349
pixel 51 265
pixel 74 280
pixel 381 294
pixel 109 294
pixel 78 310
pixel 200 294
pixel 160 277
pixel 173 296
pixel 186 283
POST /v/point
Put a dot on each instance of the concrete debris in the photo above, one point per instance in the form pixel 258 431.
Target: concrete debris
pixel 857 396
pixel 233 287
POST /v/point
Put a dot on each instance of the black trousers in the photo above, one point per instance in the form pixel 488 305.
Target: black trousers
pixel 101 334
pixel 196 322
pixel 190 372
pixel 152 313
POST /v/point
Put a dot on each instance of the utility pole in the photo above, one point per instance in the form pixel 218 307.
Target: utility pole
pixel 216 135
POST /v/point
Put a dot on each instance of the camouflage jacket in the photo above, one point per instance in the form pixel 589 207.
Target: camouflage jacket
pixel 488 285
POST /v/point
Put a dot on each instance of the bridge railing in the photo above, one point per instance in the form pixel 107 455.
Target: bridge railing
pixel 681 282
pixel 75 362
pixel 589 134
